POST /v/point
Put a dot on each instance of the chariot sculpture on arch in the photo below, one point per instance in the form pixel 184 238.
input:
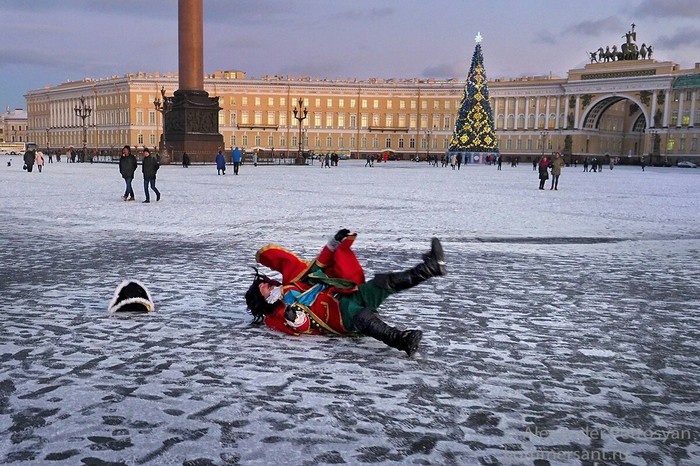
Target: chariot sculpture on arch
pixel 627 51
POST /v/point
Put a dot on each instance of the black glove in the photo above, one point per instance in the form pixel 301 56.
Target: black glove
pixel 340 236
pixel 289 314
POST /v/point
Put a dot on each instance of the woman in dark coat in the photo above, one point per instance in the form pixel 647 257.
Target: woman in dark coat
pixel 543 167
pixel 127 168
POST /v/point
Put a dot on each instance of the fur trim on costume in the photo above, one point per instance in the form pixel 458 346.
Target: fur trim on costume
pixel 131 296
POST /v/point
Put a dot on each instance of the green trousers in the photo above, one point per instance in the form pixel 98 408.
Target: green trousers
pixel 368 295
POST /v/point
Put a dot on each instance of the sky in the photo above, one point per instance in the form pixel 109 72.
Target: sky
pixel 45 42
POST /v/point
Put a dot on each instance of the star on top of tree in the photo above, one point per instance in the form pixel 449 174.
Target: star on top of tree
pixel 478 38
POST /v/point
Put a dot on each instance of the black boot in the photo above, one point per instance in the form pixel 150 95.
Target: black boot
pixel 368 323
pixel 433 266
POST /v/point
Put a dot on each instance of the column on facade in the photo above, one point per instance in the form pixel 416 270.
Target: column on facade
pixel 679 120
pixel 694 97
pixel 495 111
pixel 546 114
pixel 654 107
pixel 537 113
pixel 505 113
pixel 557 123
pixel 515 122
pixel 667 107
pixel 576 112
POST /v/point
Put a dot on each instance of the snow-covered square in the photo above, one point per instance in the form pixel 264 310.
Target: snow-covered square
pixel 566 330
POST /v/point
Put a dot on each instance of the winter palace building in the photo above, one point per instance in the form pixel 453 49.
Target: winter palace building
pixel 623 108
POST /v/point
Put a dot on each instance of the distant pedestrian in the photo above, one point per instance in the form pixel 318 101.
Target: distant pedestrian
pixel 543 170
pixel 237 156
pixel 220 163
pixel 453 160
pixel 149 167
pixel 39 160
pixel 534 164
pixel 29 158
pixel 642 162
pixel 50 157
pixel 594 165
pixel 459 161
pixel 368 161
pixel 499 161
pixel 585 164
pixel 556 163
pixel 127 168
pixel 327 160
pixel 255 159
pixel 185 160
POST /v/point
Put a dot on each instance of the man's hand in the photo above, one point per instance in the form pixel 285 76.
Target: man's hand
pixel 340 236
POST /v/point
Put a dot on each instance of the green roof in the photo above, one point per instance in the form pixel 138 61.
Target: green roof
pixel 688 80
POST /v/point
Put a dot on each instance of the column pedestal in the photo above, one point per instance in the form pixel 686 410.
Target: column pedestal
pixel 192 126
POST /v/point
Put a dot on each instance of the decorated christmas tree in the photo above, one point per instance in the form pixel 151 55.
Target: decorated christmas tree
pixel 474 129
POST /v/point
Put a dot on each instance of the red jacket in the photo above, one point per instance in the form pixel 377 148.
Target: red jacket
pixel 317 302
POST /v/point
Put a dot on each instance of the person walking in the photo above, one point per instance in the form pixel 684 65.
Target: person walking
pixel 149 167
pixel 557 163
pixel 127 168
pixel 329 295
pixel 499 161
pixel 543 170
pixel 185 160
pixel 29 159
pixel 236 156
pixel 220 163
pixel 39 160
pixel 585 164
pixel 642 162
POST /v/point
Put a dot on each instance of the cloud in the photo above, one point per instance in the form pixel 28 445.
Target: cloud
pixel 668 9
pixel 682 37
pixel 597 27
pixel 369 14
pixel 442 71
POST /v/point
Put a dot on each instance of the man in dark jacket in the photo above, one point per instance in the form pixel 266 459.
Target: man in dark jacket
pixel 127 168
pixel 29 158
pixel 149 167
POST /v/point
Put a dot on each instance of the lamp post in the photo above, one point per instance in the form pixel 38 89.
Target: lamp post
pixel 428 133
pixel 163 105
pixel 300 116
pixel 83 112
pixel 543 134
pixel 48 143
pixel 655 142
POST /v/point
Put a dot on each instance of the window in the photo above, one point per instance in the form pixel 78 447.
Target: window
pixel 258 118
pixel 412 143
pixel 519 144
pixel 283 118
pixel 329 142
pixel 414 105
pixel 341 103
pixel 341 120
pixel 400 143
pixel 329 120
pixel 353 141
pixel 270 101
pixel 436 105
pixel 283 101
pixel 509 144
pixel 232 118
pixel 244 117
pixel 364 142
pixel 270 141
pixel 257 101
pixel 341 141
pixel 270 117
pixel 387 142
pixel 317 120
pixel 317 103
pixel 402 121
pixel 353 103
pixel 447 105
pixel 375 119
pixel 139 139
pixel 329 103
pixel 389 104
pixel 139 99
pixel 402 104
pixel 353 121
pixel 257 140
pixel 232 100
pixel 152 139
pixel 244 100
pixel 139 118
pixel 375 142
pixel 222 118
pixel 390 120
pixel 424 105
pixel 363 121
pixel 152 117
pixel 364 103
pixel 233 140
pixel 245 140
pixel 414 120
pixel 375 103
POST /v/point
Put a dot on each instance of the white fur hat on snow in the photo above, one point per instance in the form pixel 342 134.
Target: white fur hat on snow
pixel 131 296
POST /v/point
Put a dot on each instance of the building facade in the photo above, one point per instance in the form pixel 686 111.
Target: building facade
pixel 623 109
pixel 13 129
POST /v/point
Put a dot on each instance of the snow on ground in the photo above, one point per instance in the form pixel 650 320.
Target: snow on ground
pixel 565 333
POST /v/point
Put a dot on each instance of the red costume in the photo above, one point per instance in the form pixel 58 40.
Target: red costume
pixel 322 306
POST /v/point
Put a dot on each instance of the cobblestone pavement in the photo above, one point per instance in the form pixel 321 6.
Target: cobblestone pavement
pixel 565 333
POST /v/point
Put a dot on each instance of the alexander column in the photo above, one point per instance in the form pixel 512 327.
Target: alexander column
pixel 192 125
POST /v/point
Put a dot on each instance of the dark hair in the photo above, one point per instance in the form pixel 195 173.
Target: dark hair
pixel 127 147
pixel 257 305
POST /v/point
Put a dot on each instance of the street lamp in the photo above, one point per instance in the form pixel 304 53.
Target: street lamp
pixel 543 134
pixel 428 132
pixel 48 143
pixel 300 116
pixel 83 112
pixel 163 106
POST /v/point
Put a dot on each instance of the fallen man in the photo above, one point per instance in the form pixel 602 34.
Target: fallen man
pixel 330 295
